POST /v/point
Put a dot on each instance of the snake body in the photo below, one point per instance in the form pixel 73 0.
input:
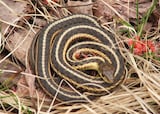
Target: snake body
pixel 53 57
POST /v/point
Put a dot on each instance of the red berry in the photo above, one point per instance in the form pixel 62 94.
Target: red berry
pixel 153 49
pixel 130 42
pixel 137 38
pixel 137 51
pixel 138 45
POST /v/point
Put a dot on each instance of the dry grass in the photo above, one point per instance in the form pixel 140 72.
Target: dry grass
pixel 139 94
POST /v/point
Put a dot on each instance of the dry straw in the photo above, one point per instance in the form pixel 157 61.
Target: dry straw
pixel 139 94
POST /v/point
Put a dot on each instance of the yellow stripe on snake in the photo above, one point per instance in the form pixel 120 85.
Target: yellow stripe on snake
pixel 53 57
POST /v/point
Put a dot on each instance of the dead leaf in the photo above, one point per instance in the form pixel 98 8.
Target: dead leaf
pixel 101 10
pixel 22 88
pixel 155 17
pixel 10 12
pixel 133 1
pixel 18 39
pixel 26 86
pixel 19 42
pixel 80 7
pixel 9 73
pixel 30 82
pixel 123 9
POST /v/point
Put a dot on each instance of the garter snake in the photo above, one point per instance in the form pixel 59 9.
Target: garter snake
pixel 52 56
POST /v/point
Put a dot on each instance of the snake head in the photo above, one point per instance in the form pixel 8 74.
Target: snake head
pixel 106 71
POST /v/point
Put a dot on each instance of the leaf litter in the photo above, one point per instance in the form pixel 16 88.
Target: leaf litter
pixel 21 20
